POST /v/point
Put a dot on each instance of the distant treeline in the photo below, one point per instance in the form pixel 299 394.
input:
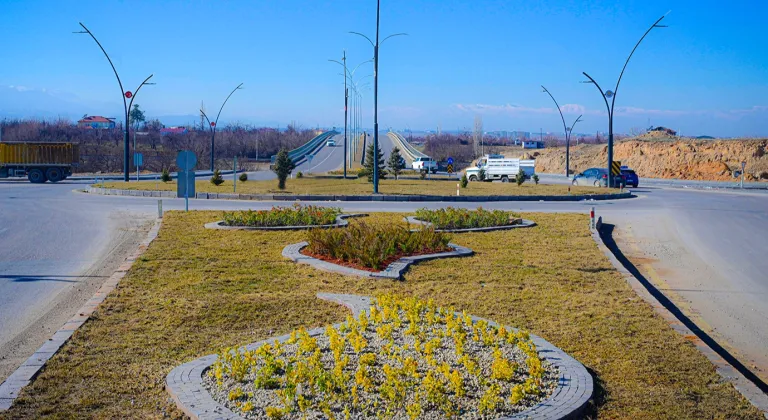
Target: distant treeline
pixel 101 150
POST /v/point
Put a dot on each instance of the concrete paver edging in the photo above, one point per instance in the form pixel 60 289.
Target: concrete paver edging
pixel 397 198
pixel 10 388
pixel 524 223
pixel 748 389
pixel 568 401
pixel 393 271
pixel 340 222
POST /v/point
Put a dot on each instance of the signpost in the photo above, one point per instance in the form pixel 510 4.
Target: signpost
pixel 138 161
pixel 449 169
pixel 186 161
pixel 743 166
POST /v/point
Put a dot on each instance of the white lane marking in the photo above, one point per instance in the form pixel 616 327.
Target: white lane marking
pixel 326 158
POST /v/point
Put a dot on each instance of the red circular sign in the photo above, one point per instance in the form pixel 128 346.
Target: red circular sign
pixel 213 124
pixel 128 94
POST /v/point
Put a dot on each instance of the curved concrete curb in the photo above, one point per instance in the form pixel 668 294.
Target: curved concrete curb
pixel 568 400
pixel 393 271
pixel 523 224
pixel 399 198
pixel 26 373
pixel 340 222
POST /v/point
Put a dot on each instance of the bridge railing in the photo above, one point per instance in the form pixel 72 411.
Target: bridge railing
pixel 300 153
pixel 410 152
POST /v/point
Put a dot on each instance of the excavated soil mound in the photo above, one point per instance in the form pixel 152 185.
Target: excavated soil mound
pixel 707 160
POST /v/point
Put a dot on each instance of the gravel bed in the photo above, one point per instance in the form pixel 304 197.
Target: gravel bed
pixel 356 398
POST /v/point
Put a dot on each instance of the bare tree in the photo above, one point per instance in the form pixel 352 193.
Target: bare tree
pixel 477 136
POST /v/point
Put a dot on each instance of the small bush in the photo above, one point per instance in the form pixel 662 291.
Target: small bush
pixel 520 177
pixel 374 246
pixel 243 177
pixel 423 174
pixel 165 176
pixel 297 215
pixel 453 218
pixel 299 174
pixel 464 181
pixel 216 179
pixel 535 179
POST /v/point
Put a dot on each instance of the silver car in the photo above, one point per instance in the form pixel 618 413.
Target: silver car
pixel 596 177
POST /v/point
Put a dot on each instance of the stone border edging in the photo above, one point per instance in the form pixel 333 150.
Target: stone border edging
pixel 568 400
pixel 523 224
pixel 393 271
pixel 340 222
pixel 26 373
pixel 397 198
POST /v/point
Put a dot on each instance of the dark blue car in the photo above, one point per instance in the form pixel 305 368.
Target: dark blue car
pixel 630 176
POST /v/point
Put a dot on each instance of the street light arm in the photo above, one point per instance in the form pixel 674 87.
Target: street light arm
pixel 225 102
pixel 565 126
pixel 393 35
pixel 207 119
pixel 352 73
pixel 574 124
pixel 369 39
pixel 591 80
pixel 122 91
pixel 655 24
pixel 130 104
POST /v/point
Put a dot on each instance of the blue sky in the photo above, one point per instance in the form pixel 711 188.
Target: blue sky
pixel 705 74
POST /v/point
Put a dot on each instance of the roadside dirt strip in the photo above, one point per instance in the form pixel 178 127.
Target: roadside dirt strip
pixel 728 367
pixel 20 378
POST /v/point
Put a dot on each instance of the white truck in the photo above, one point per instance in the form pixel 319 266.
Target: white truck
pixel 424 163
pixel 496 167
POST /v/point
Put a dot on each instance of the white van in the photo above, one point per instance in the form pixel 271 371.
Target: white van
pixel 501 169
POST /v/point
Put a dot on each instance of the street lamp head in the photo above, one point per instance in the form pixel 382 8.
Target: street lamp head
pixel 609 94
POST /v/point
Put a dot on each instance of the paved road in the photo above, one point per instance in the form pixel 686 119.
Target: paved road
pixel 326 158
pixel 706 248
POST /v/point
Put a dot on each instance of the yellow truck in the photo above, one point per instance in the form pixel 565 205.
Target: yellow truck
pixel 39 162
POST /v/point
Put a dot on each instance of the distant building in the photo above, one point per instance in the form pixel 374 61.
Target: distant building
pixel 96 121
pixel 173 130
pixel 533 144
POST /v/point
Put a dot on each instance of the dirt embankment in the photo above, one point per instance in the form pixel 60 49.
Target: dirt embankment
pixel 710 160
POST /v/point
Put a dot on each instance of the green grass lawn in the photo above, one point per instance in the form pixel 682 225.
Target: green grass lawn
pixel 197 290
pixel 331 186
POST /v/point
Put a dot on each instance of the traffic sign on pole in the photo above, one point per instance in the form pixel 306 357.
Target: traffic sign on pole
pixel 450 161
pixel 186 160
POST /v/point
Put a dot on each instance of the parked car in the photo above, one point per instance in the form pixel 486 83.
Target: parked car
pixel 330 143
pixel 630 176
pixel 597 177
pixel 425 164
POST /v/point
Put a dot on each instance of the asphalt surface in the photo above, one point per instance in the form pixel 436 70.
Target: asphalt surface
pixel 705 248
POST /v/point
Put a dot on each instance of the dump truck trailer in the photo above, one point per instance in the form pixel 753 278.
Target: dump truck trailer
pixel 39 162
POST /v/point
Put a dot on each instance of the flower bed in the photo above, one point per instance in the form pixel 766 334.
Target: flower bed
pixel 371 246
pixel 453 218
pixel 297 215
pixel 405 358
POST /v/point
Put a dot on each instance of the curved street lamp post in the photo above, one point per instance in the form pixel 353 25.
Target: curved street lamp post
pixel 212 124
pixel 126 95
pixel 612 96
pixel 568 132
pixel 376 92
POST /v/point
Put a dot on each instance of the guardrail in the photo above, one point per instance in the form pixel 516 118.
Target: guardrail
pixel 410 152
pixel 299 154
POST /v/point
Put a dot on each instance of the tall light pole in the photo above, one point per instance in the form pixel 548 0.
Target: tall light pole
pixel 126 95
pixel 212 124
pixel 376 94
pixel 347 76
pixel 567 134
pixel 612 96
